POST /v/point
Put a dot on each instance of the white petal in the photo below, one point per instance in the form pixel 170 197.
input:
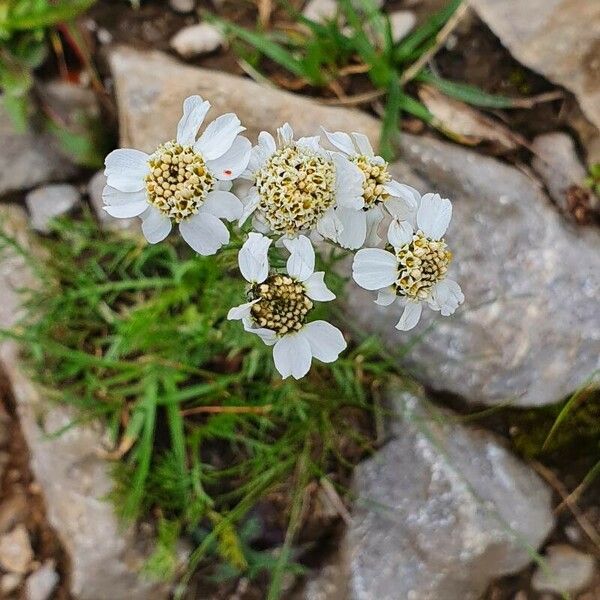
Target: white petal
pixel 342 141
pixel 223 186
pixel 446 296
pixel 329 226
pixel 250 203
pixel 354 227
pixel 268 336
pixel 267 141
pixel 194 111
pixel 115 197
pixel 204 233
pixel 125 211
pixel 410 317
pixel 374 217
pixel 385 297
pixel 348 182
pixel 234 162
pixel 316 288
pixel 260 225
pixel 253 258
pixel 399 233
pixel 155 226
pixel 292 356
pixel 285 133
pixel 242 311
pixel 404 192
pixel 433 216
pixel 363 144
pixel 218 136
pixel 312 143
pixel 301 263
pixel 374 268
pixel 326 341
pixel 125 169
pixel 223 205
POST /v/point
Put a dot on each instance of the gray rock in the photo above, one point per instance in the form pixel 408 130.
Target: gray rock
pixel 29 159
pixel 41 583
pixel 197 39
pixel 182 6
pixel 531 280
pixel 15 550
pixel 566 571
pixel 556 162
pixel 441 510
pixel 559 39
pixel 402 22
pixel 50 201
pixel 328 583
pixel 105 557
pixel 320 10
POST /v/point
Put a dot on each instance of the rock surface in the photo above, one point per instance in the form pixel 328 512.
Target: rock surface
pixel 568 571
pixel 182 6
pixel 558 38
pixel 402 22
pixel 441 510
pixel 197 39
pixel 15 550
pixel 41 583
pixel 531 281
pixel 105 558
pixel 29 159
pixel 50 201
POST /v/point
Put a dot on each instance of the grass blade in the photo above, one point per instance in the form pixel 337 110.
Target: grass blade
pixel 389 125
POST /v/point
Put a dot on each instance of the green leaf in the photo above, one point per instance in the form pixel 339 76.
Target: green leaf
pixel 271 49
pixel 389 125
pixel 424 34
pixel 47 16
pixel 465 92
pixel 17 108
pixel 416 109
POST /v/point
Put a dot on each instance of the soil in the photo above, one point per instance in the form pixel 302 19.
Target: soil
pixel 21 501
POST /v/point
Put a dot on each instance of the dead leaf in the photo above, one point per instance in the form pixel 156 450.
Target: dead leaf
pixel 464 123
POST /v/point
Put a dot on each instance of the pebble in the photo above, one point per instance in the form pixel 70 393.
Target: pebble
pixel 15 550
pixel 320 10
pixel 182 6
pixel 402 22
pixel 568 571
pixel 50 201
pixel 41 583
pixel 9 583
pixel 195 40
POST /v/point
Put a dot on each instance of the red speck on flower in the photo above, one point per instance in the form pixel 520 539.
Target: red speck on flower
pixel 227 171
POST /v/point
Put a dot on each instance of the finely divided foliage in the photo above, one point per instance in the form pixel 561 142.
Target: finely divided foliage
pixel 300 193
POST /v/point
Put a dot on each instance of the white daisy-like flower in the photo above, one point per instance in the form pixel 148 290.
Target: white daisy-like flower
pixel 186 181
pixel 279 305
pixel 299 187
pixel 379 189
pixel 413 270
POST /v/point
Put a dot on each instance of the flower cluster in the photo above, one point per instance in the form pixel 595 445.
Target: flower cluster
pixel 297 193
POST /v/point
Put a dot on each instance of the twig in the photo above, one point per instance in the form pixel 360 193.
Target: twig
pixel 265 8
pixel 253 410
pixel 354 100
pixel 440 38
pixel 335 500
pixel 562 491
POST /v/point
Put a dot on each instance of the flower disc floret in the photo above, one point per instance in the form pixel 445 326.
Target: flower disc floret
pixel 296 186
pixel 178 181
pixel 282 304
pixel 376 176
pixel 422 263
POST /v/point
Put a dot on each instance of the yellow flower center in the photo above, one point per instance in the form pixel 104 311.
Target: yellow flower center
pixel 422 263
pixel 296 187
pixel 179 181
pixel 376 176
pixel 283 304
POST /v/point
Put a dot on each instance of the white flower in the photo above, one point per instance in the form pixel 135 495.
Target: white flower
pixel 379 189
pixel 414 270
pixel 185 180
pixel 298 187
pixel 279 304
